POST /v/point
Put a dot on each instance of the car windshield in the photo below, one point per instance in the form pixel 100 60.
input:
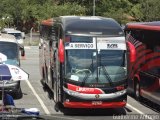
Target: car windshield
pixel 9 49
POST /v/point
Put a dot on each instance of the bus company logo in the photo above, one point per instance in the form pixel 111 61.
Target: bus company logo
pixel 97 96
pixel 112 46
pixel 80 89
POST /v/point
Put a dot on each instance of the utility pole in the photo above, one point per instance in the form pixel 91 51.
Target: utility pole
pixel 94 6
pixel 30 41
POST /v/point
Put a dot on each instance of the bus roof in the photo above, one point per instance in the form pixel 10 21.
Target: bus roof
pixel 48 22
pixel 144 26
pixel 7 38
pixel 91 25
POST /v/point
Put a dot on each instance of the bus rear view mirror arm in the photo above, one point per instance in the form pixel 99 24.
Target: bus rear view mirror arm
pixel 132 52
pixel 61 51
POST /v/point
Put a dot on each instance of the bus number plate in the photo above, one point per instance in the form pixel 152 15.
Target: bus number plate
pixel 96 102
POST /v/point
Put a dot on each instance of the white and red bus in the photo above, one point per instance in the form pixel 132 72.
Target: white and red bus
pixel 144 75
pixel 83 60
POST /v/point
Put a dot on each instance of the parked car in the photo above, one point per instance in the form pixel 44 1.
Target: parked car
pixel 10 47
pixel 20 36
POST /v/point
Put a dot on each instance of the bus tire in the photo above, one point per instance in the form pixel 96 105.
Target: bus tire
pixel 42 76
pixel 42 72
pixel 58 107
pixel 137 91
pixel 43 81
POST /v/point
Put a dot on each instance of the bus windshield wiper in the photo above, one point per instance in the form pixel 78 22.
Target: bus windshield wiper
pixel 91 67
pixel 106 73
pixel 107 76
pixel 86 75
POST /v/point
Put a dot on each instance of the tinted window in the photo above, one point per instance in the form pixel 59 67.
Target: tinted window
pixel 9 49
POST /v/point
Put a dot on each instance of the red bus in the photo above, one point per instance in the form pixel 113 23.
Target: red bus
pixel 83 60
pixel 144 73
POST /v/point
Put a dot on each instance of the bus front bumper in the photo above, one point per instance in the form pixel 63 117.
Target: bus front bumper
pixel 94 104
pixel 73 99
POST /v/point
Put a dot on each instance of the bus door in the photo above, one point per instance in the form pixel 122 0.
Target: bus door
pixel 55 72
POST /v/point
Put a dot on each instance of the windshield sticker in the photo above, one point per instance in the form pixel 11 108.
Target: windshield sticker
pixel 74 77
pixel 112 46
pixel 80 46
pixel 94 53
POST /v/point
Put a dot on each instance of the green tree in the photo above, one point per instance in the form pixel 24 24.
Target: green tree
pixel 27 13
pixel 117 9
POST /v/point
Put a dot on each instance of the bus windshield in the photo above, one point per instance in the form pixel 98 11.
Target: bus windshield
pixel 96 65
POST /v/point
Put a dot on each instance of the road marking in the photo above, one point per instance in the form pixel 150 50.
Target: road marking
pixel 38 98
pixel 140 112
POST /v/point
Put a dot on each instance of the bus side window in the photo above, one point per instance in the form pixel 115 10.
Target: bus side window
pixel 56 32
pixel 53 34
pixel 59 32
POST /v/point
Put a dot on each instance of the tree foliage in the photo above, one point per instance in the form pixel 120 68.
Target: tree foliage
pixel 24 14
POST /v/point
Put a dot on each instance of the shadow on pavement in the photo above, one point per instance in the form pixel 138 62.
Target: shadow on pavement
pixel 95 112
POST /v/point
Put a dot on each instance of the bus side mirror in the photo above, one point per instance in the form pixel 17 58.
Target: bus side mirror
pixel 61 51
pixel 132 52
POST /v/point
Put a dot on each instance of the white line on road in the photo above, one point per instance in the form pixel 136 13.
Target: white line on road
pixel 38 98
pixel 140 112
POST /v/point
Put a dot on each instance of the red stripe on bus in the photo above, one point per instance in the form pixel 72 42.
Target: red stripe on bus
pixel 85 90
pixel 143 27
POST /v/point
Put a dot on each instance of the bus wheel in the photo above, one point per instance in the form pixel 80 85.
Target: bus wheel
pixel 58 107
pixel 137 91
pixel 42 72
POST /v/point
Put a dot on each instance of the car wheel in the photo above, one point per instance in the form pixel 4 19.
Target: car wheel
pixel 19 94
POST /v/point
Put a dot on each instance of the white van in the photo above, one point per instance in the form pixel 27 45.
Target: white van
pixel 18 34
pixel 10 47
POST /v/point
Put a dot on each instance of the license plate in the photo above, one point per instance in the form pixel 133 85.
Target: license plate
pixel 96 102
